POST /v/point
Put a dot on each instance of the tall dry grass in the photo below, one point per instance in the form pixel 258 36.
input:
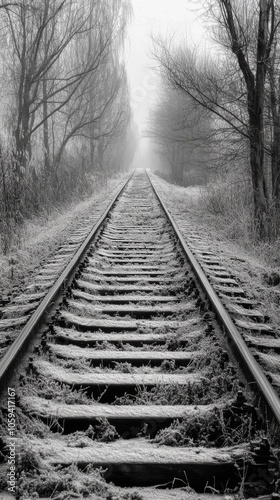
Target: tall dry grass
pixel 37 195
pixel 228 205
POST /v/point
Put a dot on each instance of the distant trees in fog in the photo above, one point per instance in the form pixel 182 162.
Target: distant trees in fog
pixel 181 132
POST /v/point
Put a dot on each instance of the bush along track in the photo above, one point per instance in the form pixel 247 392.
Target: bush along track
pixel 131 384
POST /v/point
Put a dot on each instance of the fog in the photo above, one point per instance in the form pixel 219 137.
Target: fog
pixel 179 18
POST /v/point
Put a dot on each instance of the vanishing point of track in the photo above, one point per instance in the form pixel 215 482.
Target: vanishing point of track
pixel 134 357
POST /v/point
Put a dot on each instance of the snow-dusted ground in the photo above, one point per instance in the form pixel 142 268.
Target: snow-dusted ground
pixel 40 238
pixel 147 494
pixel 250 265
pixel 44 248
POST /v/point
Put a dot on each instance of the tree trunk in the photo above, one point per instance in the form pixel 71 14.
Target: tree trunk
pixel 256 110
pixel 46 129
pixel 100 150
pixel 22 134
pixel 92 152
pixel 259 187
pixel 275 163
pixel 176 167
pixel 255 102
pixel 260 192
pixel 275 148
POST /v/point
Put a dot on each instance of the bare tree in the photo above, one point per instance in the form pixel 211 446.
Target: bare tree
pixel 64 83
pixel 274 112
pixel 42 39
pixel 241 105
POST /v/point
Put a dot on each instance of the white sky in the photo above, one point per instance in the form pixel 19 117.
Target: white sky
pixel 181 17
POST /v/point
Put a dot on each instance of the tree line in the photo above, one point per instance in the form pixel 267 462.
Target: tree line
pixel 65 108
pixel 228 100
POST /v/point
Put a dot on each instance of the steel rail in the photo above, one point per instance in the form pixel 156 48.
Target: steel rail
pixel 258 376
pixel 10 358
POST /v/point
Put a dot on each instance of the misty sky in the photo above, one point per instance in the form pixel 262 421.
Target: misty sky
pixel 179 17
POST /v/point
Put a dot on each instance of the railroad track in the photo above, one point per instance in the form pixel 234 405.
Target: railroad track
pixel 131 364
